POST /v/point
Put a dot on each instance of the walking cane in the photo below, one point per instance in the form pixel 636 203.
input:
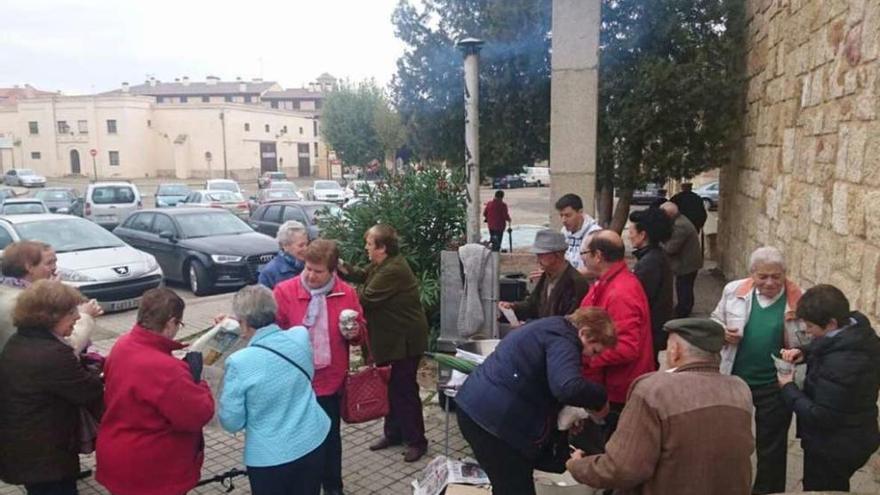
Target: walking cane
pixel 225 479
pixel 510 238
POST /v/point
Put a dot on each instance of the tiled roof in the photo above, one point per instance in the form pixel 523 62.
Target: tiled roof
pixel 300 93
pixel 9 96
pixel 197 88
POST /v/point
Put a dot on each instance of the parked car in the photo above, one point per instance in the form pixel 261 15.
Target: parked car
pixel 23 206
pixel 206 248
pixel 652 193
pixel 6 193
pixel 536 176
pixel 709 193
pixel 267 218
pixel 217 199
pixel 109 203
pixel 58 199
pixel 224 185
pixel 90 258
pixel 266 180
pixel 272 195
pixel 285 185
pixel 361 187
pixel 328 190
pixel 23 177
pixel 170 194
pixel 508 182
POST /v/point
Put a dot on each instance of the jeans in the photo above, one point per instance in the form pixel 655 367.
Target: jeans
pixel 509 472
pixel 332 477
pixel 405 421
pixel 495 238
pixel 684 293
pixel 772 420
pixel 299 477
pixel 62 487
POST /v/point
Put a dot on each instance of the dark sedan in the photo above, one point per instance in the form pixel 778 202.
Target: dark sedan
pixel 58 199
pixel 508 182
pixel 205 248
pixel 267 218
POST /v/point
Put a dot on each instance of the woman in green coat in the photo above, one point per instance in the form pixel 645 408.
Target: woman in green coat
pixel 398 332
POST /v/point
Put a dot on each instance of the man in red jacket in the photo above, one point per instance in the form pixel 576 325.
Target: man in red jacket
pixel 496 216
pixel 619 292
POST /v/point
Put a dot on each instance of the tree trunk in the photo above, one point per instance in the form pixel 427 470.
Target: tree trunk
pixel 606 203
pixel 621 212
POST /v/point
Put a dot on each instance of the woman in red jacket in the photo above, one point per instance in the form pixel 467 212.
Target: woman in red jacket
pixel 315 299
pixel 150 439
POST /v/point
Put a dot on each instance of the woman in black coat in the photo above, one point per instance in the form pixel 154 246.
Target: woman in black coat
pixel 43 386
pixel 647 229
pixel 837 409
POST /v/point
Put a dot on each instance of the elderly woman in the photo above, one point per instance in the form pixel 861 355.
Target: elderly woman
pixel 507 406
pixel 758 315
pixel 293 238
pixel 150 439
pixel 267 392
pixel 398 334
pixel 25 262
pixel 315 299
pixel 43 386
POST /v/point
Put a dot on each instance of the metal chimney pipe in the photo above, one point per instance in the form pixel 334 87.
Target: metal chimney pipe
pixel 470 47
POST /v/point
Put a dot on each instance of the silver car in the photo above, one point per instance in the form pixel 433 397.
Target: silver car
pixel 23 177
pixel 23 206
pixel 90 258
pixel 217 199
pixel 109 203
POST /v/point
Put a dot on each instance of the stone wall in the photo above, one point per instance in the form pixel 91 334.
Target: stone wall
pixel 806 174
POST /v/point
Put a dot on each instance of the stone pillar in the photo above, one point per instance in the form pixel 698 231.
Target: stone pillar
pixel 574 101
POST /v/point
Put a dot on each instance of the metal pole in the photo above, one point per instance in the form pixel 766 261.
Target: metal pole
pixel 223 129
pixel 95 168
pixel 471 49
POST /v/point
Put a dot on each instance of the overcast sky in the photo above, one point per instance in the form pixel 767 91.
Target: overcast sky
pixel 84 46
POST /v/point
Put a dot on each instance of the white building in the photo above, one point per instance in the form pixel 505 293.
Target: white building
pixel 179 129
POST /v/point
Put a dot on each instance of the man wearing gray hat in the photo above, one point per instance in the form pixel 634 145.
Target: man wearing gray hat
pixel 560 288
pixel 687 430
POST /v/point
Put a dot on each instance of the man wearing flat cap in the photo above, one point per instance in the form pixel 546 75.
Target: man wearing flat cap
pixel 686 430
pixel 560 288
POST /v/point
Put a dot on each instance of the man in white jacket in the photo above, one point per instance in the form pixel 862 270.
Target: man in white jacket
pixel 575 226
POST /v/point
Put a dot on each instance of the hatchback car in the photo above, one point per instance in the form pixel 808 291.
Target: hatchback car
pixel 23 206
pixel 90 258
pixel 217 199
pixel 23 177
pixel 272 195
pixel 202 247
pixel 170 194
pixel 109 203
pixel 223 185
pixel 267 218
pixel 266 180
pixel 58 199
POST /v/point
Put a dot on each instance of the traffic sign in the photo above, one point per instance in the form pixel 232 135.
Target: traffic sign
pixel 93 152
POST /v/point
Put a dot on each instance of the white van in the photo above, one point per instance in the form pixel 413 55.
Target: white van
pixel 109 203
pixel 536 176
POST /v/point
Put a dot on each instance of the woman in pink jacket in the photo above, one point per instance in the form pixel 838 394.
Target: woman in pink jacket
pixel 315 299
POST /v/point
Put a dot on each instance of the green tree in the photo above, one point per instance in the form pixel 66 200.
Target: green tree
pixel 347 122
pixel 389 130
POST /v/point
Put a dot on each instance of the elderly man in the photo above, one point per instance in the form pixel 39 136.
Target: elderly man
pixel 293 239
pixel 619 292
pixel 758 315
pixel 686 255
pixel 575 226
pixel 837 409
pixel 686 431
pixel 560 288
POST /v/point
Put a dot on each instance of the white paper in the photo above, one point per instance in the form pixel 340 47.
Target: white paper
pixel 441 471
pixel 510 316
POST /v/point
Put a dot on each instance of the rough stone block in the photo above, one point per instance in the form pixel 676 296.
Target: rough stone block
pixel 856 12
pixel 871 32
pixel 855 251
pixel 851 288
pixel 855 155
pixel 866 106
pixel 817 206
pixel 839 219
pixel 856 212
pixel 870 277
pixel 762 233
pixel 788 149
pixel 808 263
pixel 872 221
pixel 813 236
pixel 872 157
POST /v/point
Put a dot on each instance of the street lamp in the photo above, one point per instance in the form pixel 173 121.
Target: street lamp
pixel 470 48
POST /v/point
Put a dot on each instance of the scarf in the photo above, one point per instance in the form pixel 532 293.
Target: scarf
pixel 317 322
pixel 17 283
pixel 294 263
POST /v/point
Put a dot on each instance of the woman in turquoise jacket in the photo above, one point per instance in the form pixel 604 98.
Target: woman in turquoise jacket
pixel 267 392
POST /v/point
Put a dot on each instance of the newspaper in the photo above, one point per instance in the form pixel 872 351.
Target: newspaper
pixel 216 345
pixel 442 471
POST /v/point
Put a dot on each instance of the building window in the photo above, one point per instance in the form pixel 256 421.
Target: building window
pixel 160 99
pixel 274 104
pixel 247 99
pixel 184 99
pixel 82 126
pixel 266 127
pixel 315 127
pixel 111 127
pixel 316 150
pixel 114 158
pixel 284 130
pixel 63 128
pixel 296 105
pixel 247 127
pixel 206 99
pixel 300 131
pixel 33 127
pixel 149 123
pixel 35 155
pixel 227 99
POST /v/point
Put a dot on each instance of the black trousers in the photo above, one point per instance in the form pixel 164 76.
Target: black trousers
pixel 332 477
pixel 62 487
pixel 824 473
pixel 495 238
pixel 509 472
pixel 299 477
pixel 405 421
pixel 684 294
pixel 772 420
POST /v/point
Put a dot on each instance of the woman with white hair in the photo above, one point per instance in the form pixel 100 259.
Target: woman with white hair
pixel 293 239
pixel 758 313
pixel 267 391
